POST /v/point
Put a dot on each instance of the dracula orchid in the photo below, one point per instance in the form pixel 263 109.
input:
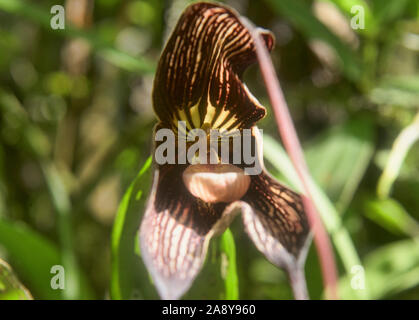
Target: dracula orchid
pixel 198 83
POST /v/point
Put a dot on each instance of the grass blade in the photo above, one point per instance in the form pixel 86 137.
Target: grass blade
pixel 401 147
pixel 229 267
pixel 123 240
pixel 62 204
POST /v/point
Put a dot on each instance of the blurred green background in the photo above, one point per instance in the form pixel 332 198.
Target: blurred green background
pixel 75 129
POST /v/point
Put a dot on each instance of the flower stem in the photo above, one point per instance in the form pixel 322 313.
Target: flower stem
pixel 298 283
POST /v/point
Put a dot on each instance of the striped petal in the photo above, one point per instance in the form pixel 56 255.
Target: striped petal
pixel 274 218
pixel 175 232
pixel 276 221
pixel 198 76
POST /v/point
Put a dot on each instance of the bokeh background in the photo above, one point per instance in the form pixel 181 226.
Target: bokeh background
pixel 75 129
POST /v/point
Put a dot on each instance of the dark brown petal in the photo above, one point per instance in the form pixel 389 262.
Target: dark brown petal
pixel 274 218
pixel 198 76
pixel 276 221
pixel 175 232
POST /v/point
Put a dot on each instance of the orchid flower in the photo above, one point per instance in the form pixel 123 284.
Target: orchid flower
pixel 198 82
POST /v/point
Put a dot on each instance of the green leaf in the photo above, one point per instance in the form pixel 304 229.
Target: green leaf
pixel 125 264
pixel 391 215
pixel 401 91
pixel 10 286
pixel 18 122
pixel 32 257
pixel 389 270
pixel 401 147
pixel 385 11
pixel 339 157
pixel 300 15
pixel 229 266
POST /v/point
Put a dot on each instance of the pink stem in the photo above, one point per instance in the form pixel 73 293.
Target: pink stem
pixel 293 147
